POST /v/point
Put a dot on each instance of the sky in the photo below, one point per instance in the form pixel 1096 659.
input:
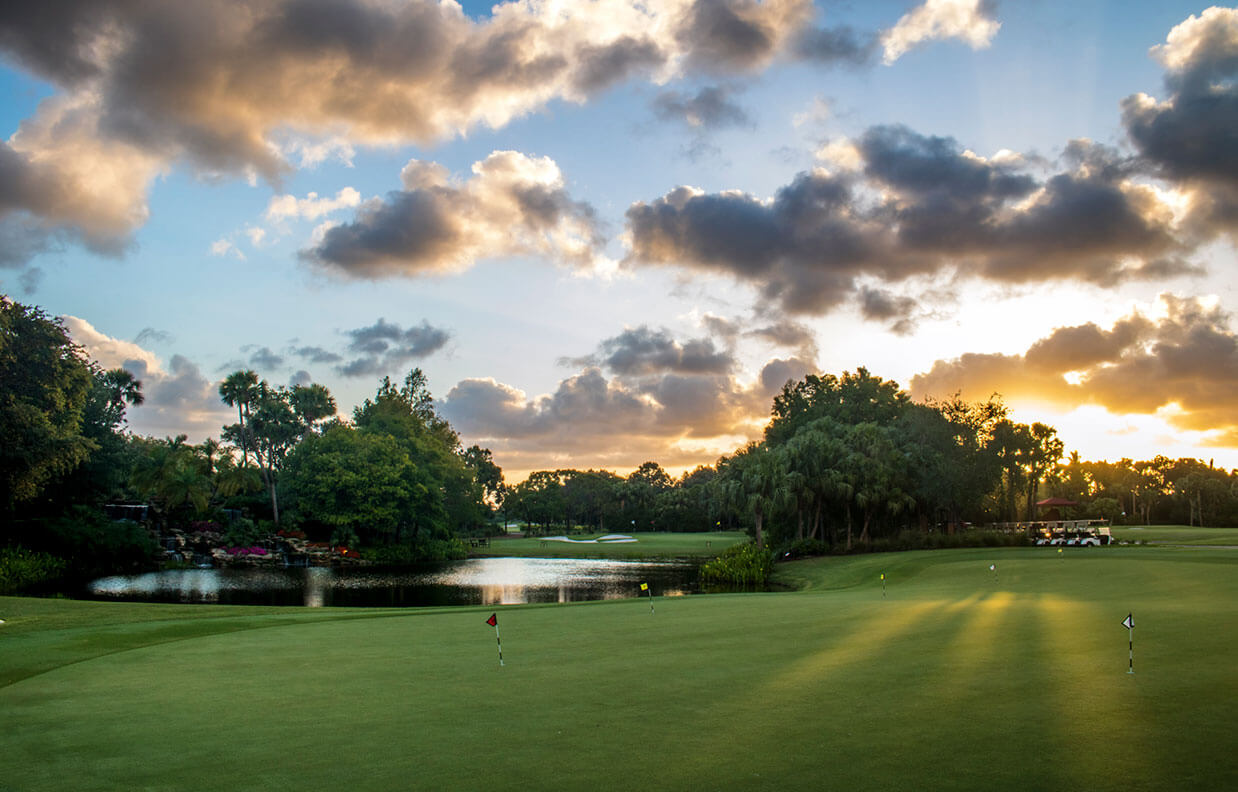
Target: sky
pixel 609 232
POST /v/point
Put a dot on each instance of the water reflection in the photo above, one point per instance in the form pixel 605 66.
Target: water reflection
pixel 478 581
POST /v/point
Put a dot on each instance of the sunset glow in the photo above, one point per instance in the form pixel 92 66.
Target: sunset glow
pixel 610 231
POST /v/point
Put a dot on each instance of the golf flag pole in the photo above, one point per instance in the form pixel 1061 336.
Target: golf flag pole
pixel 993 569
pixel 883 585
pixel 1129 624
pixel 493 621
pixel 645 587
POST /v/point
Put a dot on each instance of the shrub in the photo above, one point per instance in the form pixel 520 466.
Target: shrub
pixel 22 569
pixel 344 537
pixel 742 564
pixel 431 551
pixel 804 548
pixel 243 533
pixel 93 545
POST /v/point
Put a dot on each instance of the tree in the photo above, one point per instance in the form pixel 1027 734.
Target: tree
pixel 173 475
pixel 1044 452
pixel 45 382
pixel 271 422
pixel 486 474
pixel 642 492
pixel 240 389
pixel 878 475
pixel 361 482
pixel 851 399
pixel 408 415
pixel 750 481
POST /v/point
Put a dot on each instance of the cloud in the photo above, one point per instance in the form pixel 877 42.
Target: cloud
pixel 837 45
pixel 642 351
pixel 1189 137
pixel 151 335
pixel 384 347
pixel 311 207
pixel 513 205
pixel 916 205
pixel 233 85
pixel 264 358
pixel 643 395
pixel 315 354
pixel 224 247
pixel 791 335
pixel 256 88
pixel 178 398
pixel 710 108
pixel 739 35
pixel 969 21
pixel 1180 361
pixel 61 179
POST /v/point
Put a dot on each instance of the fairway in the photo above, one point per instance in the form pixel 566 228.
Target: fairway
pixel 957 679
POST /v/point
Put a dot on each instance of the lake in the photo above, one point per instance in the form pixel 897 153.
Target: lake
pixel 476 581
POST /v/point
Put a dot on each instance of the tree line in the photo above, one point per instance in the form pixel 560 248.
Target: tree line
pixel 844 460
pixel 847 459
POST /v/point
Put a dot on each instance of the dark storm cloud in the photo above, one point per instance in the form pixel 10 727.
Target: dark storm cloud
pixel 386 346
pixel 1187 360
pixel 920 205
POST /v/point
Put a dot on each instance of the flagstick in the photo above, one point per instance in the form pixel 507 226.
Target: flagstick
pixel 650 601
pixel 883 585
pixel 499 641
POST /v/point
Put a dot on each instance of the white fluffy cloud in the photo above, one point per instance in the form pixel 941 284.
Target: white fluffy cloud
pixel 970 21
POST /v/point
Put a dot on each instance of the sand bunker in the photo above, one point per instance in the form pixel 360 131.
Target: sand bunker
pixel 607 539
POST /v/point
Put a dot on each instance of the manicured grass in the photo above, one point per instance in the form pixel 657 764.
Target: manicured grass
pixel 647 545
pixel 955 680
pixel 1178 534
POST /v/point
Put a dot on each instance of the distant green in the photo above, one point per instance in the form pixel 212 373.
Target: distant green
pixel 1178 534
pixel 963 677
pixel 647 545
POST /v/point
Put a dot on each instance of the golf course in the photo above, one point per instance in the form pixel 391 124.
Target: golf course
pixel 972 669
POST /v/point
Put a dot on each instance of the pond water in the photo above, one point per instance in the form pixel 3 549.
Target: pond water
pixel 476 581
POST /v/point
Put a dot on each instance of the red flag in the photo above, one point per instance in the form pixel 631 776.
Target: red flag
pixel 493 621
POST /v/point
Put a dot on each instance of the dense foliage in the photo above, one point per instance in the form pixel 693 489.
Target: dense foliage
pixel 845 462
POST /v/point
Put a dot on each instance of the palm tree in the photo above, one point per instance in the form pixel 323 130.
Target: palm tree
pixel 240 389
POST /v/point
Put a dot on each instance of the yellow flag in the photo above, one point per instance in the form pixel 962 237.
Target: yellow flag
pixel 644 586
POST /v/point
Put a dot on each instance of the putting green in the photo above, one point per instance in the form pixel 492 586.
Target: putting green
pixel 956 680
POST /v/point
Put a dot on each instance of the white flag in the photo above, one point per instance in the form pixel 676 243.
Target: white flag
pixel 1129 621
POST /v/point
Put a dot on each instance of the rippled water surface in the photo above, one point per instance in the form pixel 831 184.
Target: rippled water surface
pixel 477 581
